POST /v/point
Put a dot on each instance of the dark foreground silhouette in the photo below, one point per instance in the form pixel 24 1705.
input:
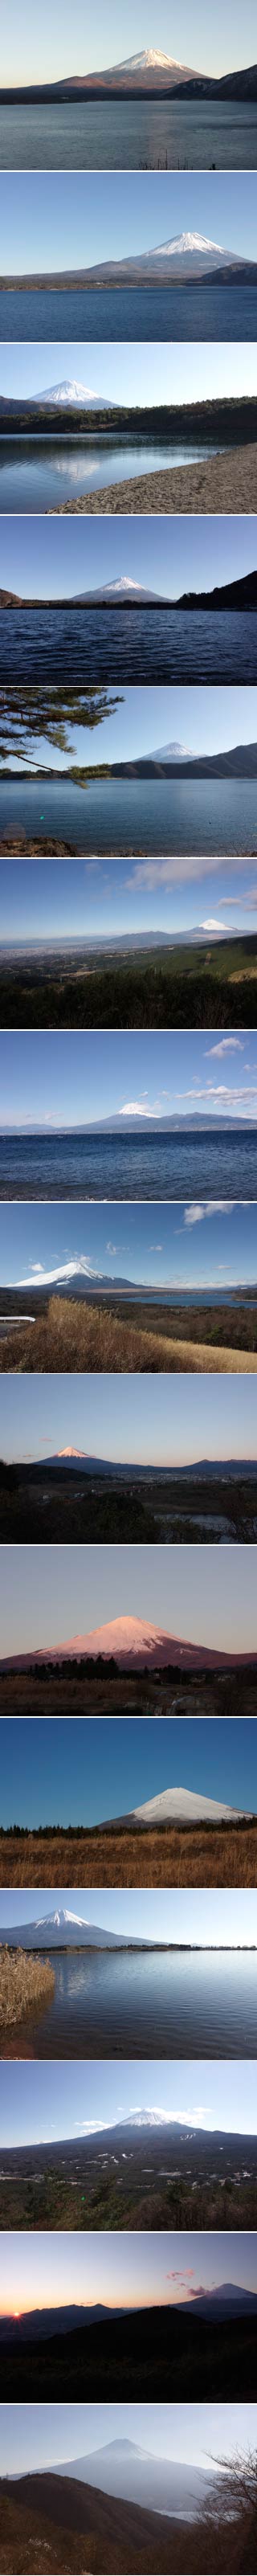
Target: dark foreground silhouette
pixel 154 2354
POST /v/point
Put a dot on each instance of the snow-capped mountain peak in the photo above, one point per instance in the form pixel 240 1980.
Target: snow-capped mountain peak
pixel 173 751
pixel 148 61
pixel 61 1915
pixel 72 393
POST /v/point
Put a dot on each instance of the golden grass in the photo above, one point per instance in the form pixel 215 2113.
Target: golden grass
pixel 72 1336
pixel 202 1857
pixel 24 1981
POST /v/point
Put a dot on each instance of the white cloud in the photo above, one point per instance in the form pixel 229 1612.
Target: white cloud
pixel 198 1210
pixel 227 1046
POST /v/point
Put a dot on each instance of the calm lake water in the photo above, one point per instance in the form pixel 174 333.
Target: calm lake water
pixel 138 1167
pixel 36 473
pixel 120 2004
pixel 76 644
pixel 129 135
pixel 131 817
pixel 199 312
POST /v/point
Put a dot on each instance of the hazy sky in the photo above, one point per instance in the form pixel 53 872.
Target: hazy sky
pixel 85 1769
pixel 134 2271
pixel 66 1590
pixel 58 1079
pixel 38 2103
pixel 195 1243
pixel 94 898
pixel 44 48
pixel 167 557
pixel 111 1418
pixel 67 219
pixel 41 2435
pixel 191 371
pixel 146 719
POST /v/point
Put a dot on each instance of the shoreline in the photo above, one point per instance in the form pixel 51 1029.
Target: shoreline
pixel 224 483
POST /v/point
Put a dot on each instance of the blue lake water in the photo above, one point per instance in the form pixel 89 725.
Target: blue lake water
pixel 122 645
pixel 133 817
pixel 75 1166
pixel 199 312
pixel 120 2004
pixel 130 135
pixel 36 473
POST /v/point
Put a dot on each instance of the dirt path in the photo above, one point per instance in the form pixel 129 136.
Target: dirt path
pixel 220 483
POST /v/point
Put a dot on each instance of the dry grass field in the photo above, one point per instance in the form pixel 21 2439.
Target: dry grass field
pixel 203 1856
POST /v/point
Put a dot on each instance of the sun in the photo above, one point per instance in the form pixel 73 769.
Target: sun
pixel 16 2312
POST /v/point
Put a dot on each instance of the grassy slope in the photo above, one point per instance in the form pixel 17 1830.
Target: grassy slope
pixel 135 1338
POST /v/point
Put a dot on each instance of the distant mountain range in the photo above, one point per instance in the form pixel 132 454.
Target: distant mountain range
pixel 133 1644
pixel 186 256
pixel 147 2139
pixel 145 74
pixel 125 593
pixel 65 1930
pixel 37 2325
pixel 78 1462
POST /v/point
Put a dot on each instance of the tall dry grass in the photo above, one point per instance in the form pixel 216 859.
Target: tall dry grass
pixel 76 1336
pixel 199 1858
pixel 24 1981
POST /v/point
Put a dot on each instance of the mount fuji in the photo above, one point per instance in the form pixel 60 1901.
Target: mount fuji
pixel 124 592
pixel 122 2468
pixel 179 1807
pixel 73 394
pixel 131 1643
pixel 63 1929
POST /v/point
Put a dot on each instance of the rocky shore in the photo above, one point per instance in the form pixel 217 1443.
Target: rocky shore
pixel 220 483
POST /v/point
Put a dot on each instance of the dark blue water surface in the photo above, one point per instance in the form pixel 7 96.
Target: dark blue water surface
pixel 198 312
pixel 36 473
pixel 121 2004
pixel 74 1166
pixel 113 645
pixel 129 134
pixel 133 817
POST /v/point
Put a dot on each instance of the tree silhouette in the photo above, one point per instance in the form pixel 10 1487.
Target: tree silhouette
pixel 30 716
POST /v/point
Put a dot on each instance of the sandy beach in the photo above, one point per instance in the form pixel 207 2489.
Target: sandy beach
pixel 219 483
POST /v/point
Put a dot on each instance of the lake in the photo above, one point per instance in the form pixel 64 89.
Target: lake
pixel 130 644
pixel 130 134
pixel 74 1166
pixel 226 311
pixel 133 817
pixel 120 2004
pixel 40 473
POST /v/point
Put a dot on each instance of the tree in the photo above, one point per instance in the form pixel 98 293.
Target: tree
pixel 29 716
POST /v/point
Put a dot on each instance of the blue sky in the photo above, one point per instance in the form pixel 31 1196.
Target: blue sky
pixel 43 2435
pixel 134 2271
pixel 96 898
pixel 191 371
pixel 166 557
pixel 36 2102
pixel 146 719
pixel 109 1417
pixel 194 1243
pixel 69 219
pixel 66 1770
pixel 42 48
pixel 76 1077
pixel 208 1917
pixel 70 1589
